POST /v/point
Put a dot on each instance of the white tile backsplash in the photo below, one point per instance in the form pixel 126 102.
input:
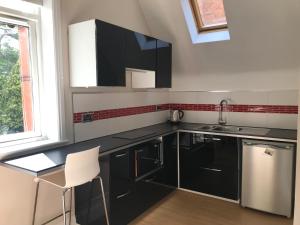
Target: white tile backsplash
pixel 284 121
pixel 247 119
pixel 84 102
pixel 283 97
pixel 99 128
pixel 288 97
pixel 249 98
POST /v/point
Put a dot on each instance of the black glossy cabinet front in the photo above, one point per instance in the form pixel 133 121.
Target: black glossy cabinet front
pixel 136 182
pixel 111 48
pixel 121 174
pixel 140 51
pixel 89 209
pixel 119 48
pixel 121 187
pixel 209 164
pixel 168 175
pixel 164 65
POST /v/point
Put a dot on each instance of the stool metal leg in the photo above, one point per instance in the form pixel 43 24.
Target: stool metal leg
pixel 64 206
pixel 71 196
pixel 35 199
pixel 104 200
pixel 89 201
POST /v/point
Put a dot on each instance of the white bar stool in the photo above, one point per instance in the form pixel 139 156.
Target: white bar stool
pixel 80 168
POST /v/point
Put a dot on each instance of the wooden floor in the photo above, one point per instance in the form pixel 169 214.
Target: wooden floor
pixel 184 208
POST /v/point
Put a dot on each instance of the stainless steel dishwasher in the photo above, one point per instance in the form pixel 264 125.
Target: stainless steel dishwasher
pixel 267 176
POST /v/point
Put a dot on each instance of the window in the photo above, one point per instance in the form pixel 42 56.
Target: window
pixel 18 105
pixel 205 20
pixel 31 109
pixel 209 14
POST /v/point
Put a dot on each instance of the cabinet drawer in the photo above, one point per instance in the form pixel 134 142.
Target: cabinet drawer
pixel 123 209
pixel 121 169
pixel 222 183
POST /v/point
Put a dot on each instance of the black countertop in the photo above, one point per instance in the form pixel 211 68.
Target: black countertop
pixel 52 159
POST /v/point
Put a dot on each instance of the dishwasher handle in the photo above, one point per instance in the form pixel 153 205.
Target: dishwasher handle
pixel 274 146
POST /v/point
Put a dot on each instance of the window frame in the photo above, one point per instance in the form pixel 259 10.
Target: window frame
pixel 32 22
pixel 198 19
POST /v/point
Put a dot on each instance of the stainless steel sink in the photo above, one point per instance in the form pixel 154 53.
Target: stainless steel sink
pixel 234 129
pixel 228 129
pixel 220 128
pixel 205 127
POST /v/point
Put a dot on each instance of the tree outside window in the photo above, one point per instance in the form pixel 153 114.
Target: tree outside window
pixel 16 112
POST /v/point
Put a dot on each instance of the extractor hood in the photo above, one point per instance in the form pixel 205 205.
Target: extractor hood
pixel 142 78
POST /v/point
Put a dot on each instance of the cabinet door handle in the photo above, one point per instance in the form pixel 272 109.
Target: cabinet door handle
pixel 216 139
pixel 121 155
pixel 138 151
pixel 211 169
pixel 268 145
pixel 212 139
pixel 123 195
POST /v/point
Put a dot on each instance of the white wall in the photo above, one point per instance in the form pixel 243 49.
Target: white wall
pixel 263 53
pixel 85 102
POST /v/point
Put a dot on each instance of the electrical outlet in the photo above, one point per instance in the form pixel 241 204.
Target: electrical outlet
pixel 87 117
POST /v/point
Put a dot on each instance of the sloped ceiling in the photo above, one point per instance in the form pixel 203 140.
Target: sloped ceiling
pixel 264 45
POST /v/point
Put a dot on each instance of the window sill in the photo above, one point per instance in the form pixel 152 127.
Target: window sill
pixel 19 150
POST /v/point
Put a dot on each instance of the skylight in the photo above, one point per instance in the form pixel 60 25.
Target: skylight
pixel 206 20
pixel 209 14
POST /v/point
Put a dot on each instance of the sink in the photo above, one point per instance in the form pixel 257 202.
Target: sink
pixel 205 127
pixel 221 128
pixel 234 129
pixel 228 129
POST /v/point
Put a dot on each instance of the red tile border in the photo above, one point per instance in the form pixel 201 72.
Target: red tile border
pixel 114 113
pixel 281 109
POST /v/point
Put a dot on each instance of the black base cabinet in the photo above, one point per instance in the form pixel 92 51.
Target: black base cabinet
pixel 209 164
pixel 134 180
pixel 144 195
pixel 149 179
pixel 168 175
pixel 89 209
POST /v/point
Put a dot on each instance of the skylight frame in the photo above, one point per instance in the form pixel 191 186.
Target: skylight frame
pixel 198 19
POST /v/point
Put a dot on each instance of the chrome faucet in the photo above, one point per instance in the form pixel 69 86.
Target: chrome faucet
pixel 223 104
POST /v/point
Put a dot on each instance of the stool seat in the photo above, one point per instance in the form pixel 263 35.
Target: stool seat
pixel 57 179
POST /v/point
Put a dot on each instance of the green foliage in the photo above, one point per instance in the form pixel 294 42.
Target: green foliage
pixel 8 59
pixel 11 113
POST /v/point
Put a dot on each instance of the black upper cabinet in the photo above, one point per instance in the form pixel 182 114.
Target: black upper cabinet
pixel 110 54
pixel 164 65
pixel 100 53
pixel 140 51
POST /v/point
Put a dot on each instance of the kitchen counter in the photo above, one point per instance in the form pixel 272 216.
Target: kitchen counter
pixel 39 163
